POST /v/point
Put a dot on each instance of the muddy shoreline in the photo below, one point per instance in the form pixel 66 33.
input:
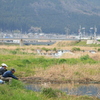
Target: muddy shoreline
pixel 41 80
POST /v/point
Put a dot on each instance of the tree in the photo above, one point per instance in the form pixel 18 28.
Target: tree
pixel 35 29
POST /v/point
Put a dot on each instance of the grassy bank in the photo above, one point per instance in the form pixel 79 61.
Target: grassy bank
pixel 29 64
pixel 33 65
pixel 16 91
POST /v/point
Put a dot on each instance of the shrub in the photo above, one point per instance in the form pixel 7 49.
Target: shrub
pixel 45 49
pixel 86 57
pixel 62 61
pixel 13 52
pixel 54 49
pixel 49 92
pixel 75 49
pixel 99 49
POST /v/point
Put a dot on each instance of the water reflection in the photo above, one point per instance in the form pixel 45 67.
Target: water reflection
pixel 90 90
pixel 70 89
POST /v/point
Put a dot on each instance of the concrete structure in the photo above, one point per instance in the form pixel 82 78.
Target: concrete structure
pixel 90 41
pixel 21 42
pixel 36 39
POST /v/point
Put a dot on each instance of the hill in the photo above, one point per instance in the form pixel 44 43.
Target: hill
pixel 49 15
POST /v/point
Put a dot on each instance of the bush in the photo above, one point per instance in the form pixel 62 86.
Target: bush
pixel 62 61
pixel 75 49
pixel 49 92
pixel 13 52
pixel 99 49
pixel 45 49
pixel 54 49
pixel 86 57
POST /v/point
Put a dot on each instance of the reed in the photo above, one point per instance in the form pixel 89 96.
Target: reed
pixel 76 72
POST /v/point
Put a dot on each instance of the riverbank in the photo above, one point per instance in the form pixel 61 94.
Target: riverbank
pixel 12 92
pixel 36 69
pixel 64 73
pixel 40 80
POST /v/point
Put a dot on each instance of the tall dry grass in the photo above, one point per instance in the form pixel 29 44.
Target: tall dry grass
pixel 95 56
pixel 32 49
pixel 71 72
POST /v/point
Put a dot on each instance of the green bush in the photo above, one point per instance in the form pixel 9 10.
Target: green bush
pixel 54 49
pixel 49 92
pixel 75 49
pixel 62 61
pixel 86 57
pixel 45 49
pixel 13 52
pixel 98 49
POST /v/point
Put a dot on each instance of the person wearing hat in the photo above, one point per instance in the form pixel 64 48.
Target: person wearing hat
pixel 8 75
pixel 3 68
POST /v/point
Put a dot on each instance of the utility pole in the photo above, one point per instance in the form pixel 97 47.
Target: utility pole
pixel 80 33
pixel 83 31
pixel 67 31
pixel 95 31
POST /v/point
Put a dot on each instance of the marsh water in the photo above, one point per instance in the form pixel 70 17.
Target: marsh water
pixel 70 89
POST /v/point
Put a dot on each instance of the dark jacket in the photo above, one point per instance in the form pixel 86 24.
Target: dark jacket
pixel 2 70
pixel 9 74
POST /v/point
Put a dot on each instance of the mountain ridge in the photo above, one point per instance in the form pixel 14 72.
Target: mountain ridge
pixel 50 15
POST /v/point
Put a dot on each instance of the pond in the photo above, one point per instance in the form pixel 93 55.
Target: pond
pixel 70 89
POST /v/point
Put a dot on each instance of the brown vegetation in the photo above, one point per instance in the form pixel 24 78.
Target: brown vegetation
pixel 64 73
pixel 67 74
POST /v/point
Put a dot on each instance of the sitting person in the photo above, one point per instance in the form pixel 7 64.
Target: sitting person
pixel 8 75
pixel 3 69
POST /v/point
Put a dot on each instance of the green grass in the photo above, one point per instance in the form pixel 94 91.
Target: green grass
pixel 83 43
pixel 25 65
pixel 17 91
pixel 77 43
